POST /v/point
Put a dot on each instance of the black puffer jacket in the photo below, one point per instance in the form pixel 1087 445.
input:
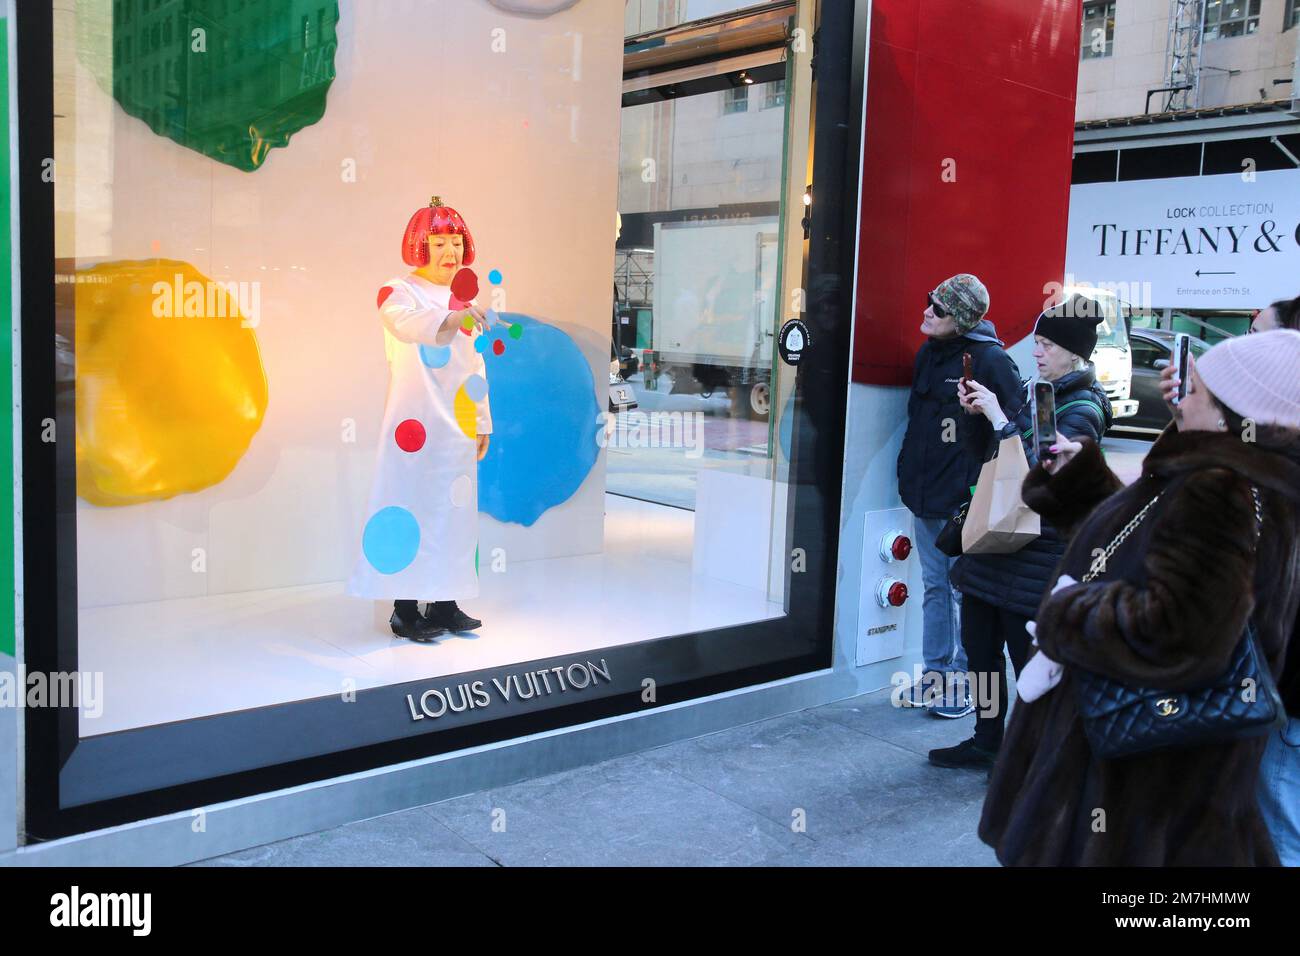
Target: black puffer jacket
pixel 934 475
pixel 1017 581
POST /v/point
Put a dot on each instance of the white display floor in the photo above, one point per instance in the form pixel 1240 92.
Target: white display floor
pixel 175 660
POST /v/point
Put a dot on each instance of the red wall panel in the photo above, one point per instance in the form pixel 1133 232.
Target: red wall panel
pixel 990 85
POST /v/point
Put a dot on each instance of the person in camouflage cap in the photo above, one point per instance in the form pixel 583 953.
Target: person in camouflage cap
pixel 964 298
pixel 936 468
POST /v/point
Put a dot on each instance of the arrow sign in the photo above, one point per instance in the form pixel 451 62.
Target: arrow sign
pixel 1199 273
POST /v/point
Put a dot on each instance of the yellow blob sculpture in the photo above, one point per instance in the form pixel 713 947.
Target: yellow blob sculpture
pixel 170 384
pixel 466 413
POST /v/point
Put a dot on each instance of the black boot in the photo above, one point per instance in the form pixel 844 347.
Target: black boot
pixel 446 615
pixel 967 755
pixel 407 622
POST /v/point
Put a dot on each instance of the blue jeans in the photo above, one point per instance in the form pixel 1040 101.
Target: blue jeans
pixel 1279 791
pixel 941 607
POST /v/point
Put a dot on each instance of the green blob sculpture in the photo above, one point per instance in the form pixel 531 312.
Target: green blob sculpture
pixel 231 79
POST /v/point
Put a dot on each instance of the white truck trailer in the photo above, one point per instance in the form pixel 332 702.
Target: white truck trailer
pixel 714 315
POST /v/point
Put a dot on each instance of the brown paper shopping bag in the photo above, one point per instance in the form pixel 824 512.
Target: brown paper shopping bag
pixel 999 522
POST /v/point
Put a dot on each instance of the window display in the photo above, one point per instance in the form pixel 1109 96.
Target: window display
pixel 296 532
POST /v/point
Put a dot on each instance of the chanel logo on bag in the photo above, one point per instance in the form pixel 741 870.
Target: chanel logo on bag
pixel 1168 707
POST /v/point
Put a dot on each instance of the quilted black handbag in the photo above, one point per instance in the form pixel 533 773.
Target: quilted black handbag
pixel 1121 720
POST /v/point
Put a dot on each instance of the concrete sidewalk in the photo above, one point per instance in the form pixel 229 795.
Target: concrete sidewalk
pixel 854 772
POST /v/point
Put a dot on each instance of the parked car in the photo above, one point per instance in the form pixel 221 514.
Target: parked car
pixel 1151 350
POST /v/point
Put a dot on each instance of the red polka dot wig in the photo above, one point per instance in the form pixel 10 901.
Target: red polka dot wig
pixel 434 219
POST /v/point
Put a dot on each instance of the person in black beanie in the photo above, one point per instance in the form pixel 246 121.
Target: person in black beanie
pixel 1001 592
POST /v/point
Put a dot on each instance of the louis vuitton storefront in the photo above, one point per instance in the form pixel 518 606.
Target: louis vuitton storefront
pixel 330 498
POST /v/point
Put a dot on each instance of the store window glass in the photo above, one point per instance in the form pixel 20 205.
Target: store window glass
pixel 1098 30
pixel 1095 167
pixel 699 195
pixel 1263 153
pixel 1291 17
pixel 1231 18
pixel 346 430
pixel 1160 162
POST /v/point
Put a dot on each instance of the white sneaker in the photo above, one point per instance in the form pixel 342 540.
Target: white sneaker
pixel 926 692
pixel 952 711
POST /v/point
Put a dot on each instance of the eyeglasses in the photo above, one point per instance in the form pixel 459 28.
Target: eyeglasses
pixel 939 311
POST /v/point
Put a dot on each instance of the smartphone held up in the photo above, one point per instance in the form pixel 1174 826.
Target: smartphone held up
pixel 1044 422
pixel 963 383
pixel 1182 350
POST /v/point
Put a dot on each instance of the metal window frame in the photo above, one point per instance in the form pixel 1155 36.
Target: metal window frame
pixel 1244 20
pixel 1109 14
pixel 762 26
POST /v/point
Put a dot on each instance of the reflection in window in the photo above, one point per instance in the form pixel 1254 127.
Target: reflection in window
pixel 695 285
pixel 774 95
pixel 1231 18
pixel 647 16
pixel 1292 16
pixel 1098 30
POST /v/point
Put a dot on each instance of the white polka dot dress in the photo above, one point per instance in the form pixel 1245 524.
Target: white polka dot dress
pixel 420 540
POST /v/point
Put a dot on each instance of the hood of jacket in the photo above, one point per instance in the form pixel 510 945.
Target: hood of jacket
pixel 983 332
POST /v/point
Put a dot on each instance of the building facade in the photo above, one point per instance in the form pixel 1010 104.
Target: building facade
pixel 1232 52
pixel 1186 183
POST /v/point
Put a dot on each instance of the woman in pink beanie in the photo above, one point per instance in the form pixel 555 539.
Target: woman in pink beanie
pixel 1255 378
pixel 1255 375
pixel 1168 610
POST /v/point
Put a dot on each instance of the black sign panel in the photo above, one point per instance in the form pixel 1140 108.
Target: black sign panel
pixel 794 341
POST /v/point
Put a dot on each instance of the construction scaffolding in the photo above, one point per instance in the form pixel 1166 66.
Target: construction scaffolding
pixel 634 276
pixel 1183 55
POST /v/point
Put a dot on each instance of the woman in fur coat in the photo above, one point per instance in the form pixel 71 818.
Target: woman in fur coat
pixel 1168 611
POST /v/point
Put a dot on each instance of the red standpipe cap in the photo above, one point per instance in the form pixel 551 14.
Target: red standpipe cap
pixel 897 594
pixel 901 547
